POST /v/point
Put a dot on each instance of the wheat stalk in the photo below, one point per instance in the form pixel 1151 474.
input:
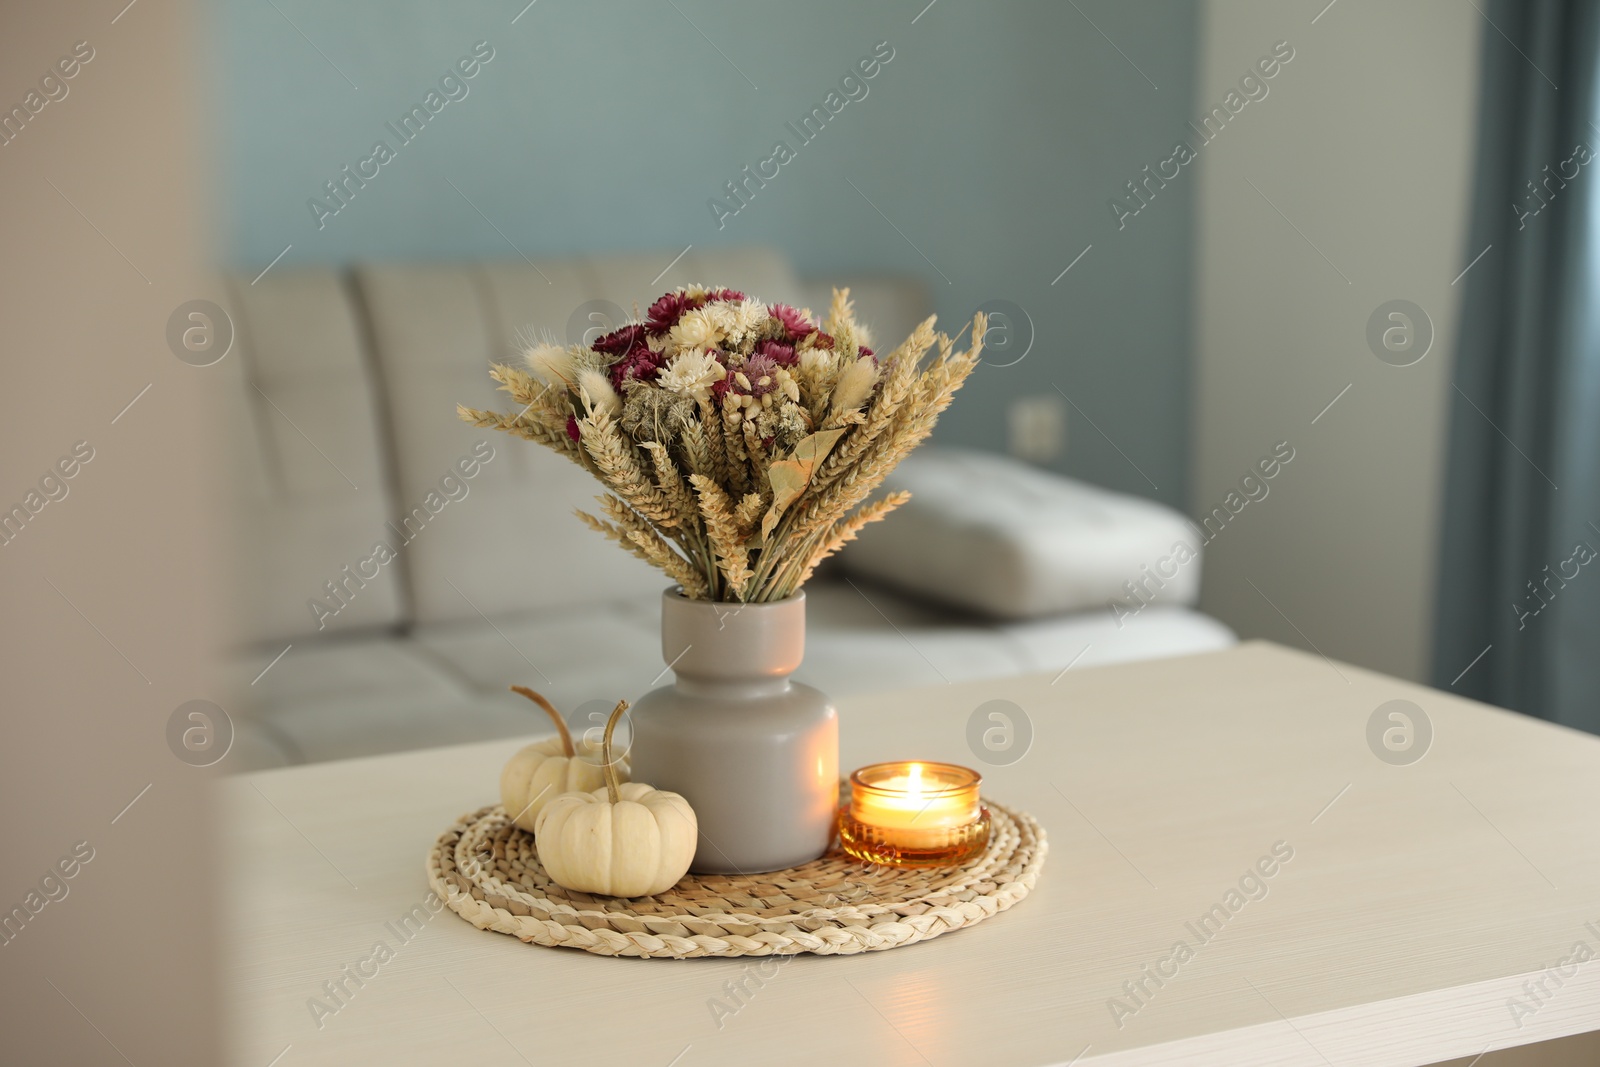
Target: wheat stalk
pixel 835 537
pixel 760 459
pixel 697 453
pixel 732 426
pixel 619 468
pixel 670 482
pixel 722 531
pixel 749 511
pixel 640 540
pixel 896 386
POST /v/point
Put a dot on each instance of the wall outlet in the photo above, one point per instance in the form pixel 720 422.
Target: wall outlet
pixel 1037 428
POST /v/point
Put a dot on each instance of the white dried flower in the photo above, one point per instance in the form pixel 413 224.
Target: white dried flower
pixel 595 388
pixel 745 319
pixel 691 374
pixel 722 316
pixel 551 364
pixel 697 330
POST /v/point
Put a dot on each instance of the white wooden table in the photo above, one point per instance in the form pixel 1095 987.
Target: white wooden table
pixel 1418 902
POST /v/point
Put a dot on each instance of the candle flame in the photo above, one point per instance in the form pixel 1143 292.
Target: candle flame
pixel 916 780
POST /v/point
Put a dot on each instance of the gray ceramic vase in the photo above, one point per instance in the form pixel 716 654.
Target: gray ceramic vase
pixel 755 754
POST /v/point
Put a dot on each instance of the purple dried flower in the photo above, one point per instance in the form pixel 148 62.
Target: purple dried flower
pixel 762 374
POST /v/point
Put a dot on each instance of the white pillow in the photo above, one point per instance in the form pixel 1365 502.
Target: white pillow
pixel 999 537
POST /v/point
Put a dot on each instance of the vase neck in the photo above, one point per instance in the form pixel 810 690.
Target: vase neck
pixel 731 688
pixel 732 651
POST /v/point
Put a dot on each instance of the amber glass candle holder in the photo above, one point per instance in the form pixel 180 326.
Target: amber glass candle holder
pixel 907 814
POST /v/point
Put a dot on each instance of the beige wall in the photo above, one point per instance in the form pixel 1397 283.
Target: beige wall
pixel 106 625
pixel 1364 145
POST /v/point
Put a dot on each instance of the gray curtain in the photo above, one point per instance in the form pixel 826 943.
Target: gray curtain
pixel 1519 572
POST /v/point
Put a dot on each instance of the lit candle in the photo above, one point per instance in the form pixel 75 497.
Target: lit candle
pixel 914 815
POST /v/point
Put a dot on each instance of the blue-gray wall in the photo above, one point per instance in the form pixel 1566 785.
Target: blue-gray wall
pixel 993 140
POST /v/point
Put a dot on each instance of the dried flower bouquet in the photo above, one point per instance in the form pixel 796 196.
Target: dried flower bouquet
pixel 739 440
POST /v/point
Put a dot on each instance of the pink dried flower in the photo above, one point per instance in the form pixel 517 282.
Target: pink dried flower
pixel 781 354
pixel 795 323
pixel 640 363
pixel 665 312
pixel 572 427
pixel 617 342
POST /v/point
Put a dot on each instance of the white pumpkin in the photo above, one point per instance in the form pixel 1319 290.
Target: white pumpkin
pixel 625 840
pixel 542 771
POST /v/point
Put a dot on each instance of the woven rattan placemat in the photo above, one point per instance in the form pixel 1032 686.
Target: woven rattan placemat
pixel 488 872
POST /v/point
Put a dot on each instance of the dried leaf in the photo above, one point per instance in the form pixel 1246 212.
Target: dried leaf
pixel 791 475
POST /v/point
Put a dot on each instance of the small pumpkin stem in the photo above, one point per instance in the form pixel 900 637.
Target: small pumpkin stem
pixel 555 717
pixel 605 752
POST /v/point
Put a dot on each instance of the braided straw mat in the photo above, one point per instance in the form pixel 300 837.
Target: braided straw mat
pixel 488 872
